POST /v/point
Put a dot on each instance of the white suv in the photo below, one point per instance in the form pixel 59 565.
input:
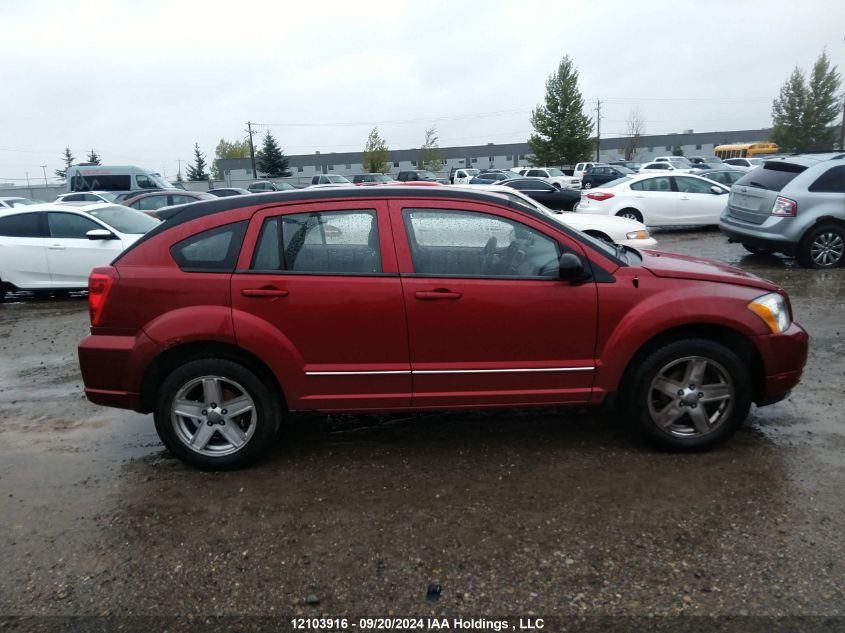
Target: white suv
pixel 554 176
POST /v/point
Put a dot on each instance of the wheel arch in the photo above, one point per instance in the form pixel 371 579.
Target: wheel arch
pixel 173 357
pixel 734 340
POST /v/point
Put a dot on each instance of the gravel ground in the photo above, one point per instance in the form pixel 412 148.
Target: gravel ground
pixel 554 513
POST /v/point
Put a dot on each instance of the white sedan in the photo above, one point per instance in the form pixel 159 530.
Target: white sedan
pixel 54 246
pixel 619 230
pixel 658 199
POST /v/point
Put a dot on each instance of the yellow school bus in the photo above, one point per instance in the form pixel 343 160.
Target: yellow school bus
pixel 745 150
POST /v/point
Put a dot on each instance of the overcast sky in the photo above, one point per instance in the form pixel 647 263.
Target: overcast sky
pixel 140 82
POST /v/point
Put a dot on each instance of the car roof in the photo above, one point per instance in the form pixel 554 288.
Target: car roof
pixel 83 207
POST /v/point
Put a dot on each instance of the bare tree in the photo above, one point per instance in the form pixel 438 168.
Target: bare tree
pixel 634 130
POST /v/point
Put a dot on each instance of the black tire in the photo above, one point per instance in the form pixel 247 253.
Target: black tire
pixel 647 401
pixel 756 250
pixel 630 213
pixel 556 185
pixel 263 419
pixel 588 185
pixel 822 247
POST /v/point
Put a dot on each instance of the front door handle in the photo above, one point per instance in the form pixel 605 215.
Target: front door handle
pixel 56 247
pixel 437 295
pixel 684 198
pixel 264 292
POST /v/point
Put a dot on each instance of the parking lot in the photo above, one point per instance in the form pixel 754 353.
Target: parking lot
pixel 516 512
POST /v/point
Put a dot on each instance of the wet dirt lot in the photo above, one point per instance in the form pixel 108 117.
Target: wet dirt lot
pixel 543 512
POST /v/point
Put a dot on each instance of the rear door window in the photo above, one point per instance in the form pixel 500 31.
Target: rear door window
pixel 773 176
pixel 326 242
pixel 21 225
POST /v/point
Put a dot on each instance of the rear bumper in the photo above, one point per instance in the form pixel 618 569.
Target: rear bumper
pixel 112 368
pixel 784 356
pixel 758 240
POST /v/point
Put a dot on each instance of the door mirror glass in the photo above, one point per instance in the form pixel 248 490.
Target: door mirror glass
pixel 100 234
pixel 571 268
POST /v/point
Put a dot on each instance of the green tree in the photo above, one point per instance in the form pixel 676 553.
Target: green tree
pixel 228 149
pixel 271 160
pixel 68 159
pixel 677 151
pixel 804 113
pixel 562 130
pixel 197 171
pixel 376 155
pixel 93 157
pixel 430 156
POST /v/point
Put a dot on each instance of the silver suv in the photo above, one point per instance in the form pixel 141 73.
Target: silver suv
pixel 793 205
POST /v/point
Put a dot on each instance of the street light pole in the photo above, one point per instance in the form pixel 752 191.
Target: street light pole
pixel 44 169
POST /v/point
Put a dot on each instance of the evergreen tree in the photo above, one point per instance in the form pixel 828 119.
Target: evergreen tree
pixel 93 157
pixel 197 171
pixel 562 130
pixel 804 113
pixel 271 160
pixel 430 156
pixel 68 159
pixel 376 155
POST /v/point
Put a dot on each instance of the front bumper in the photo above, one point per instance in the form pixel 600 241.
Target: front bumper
pixel 649 242
pixel 784 356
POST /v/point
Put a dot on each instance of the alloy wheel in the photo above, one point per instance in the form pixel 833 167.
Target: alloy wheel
pixel 691 397
pixel 827 249
pixel 213 416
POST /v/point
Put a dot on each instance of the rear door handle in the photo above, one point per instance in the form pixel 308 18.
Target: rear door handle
pixel 264 292
pixel 684 198
pixel 436 295
pixel 56 247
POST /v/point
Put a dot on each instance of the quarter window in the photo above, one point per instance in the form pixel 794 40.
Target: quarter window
pixel 331 242
pixel 70 225
pixel 470 244
pixel 215 250
pixel 833 181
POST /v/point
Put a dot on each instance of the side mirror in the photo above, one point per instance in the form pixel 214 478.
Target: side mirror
pixel 100 234
pixel 717 190
pixel 571 268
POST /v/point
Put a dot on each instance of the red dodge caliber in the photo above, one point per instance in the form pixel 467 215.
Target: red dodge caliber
pixel 235 311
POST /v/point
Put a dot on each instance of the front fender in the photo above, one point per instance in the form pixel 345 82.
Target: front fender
pixel 623 333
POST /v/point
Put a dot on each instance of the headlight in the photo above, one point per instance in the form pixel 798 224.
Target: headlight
pixel 772 309
pixel 637 235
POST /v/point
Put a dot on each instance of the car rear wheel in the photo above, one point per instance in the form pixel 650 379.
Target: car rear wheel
pixel 823 247
pixel 556 185
pixel 630 214
pixel 690 394
pixel 216 414
pixel 588 185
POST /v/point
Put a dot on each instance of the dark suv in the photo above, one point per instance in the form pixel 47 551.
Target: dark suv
pixel 417 175
pixel 239 310
pixel 599 174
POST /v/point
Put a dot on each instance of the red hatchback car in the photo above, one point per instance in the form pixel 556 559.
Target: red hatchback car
pixel 239 310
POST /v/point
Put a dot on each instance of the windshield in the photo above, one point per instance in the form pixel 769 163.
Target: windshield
pixel 623 170
pixel 19 202
pixel 713 160
pixel 426 175
pixel 125 220
pixel 161 182
pixel 472 172
pixel 680 160
pixel 339 180
pixel 555 172
pixel 383 178
pixel 755 161
pixel 108 195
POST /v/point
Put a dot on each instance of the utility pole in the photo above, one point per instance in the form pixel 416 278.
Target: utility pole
pixel 28 186
pixel 251 148
pixel 179 172
pixel 44 169
pixel 598 128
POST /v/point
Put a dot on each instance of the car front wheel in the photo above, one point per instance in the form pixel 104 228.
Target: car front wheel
pixel 690 394
pixel 216 414
pixel 823 247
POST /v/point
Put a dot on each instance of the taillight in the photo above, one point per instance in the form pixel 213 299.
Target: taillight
pixel 785 207
pixel 599 196
pixel 99 284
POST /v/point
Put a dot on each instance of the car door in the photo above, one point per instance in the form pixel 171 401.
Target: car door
pixel 322 282
pixel 70 254
pixel 657 200
pixel 489 321
pixel 23 256
pixel 697 202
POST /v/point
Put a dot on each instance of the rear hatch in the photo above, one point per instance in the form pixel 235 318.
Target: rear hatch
pixel 753 196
